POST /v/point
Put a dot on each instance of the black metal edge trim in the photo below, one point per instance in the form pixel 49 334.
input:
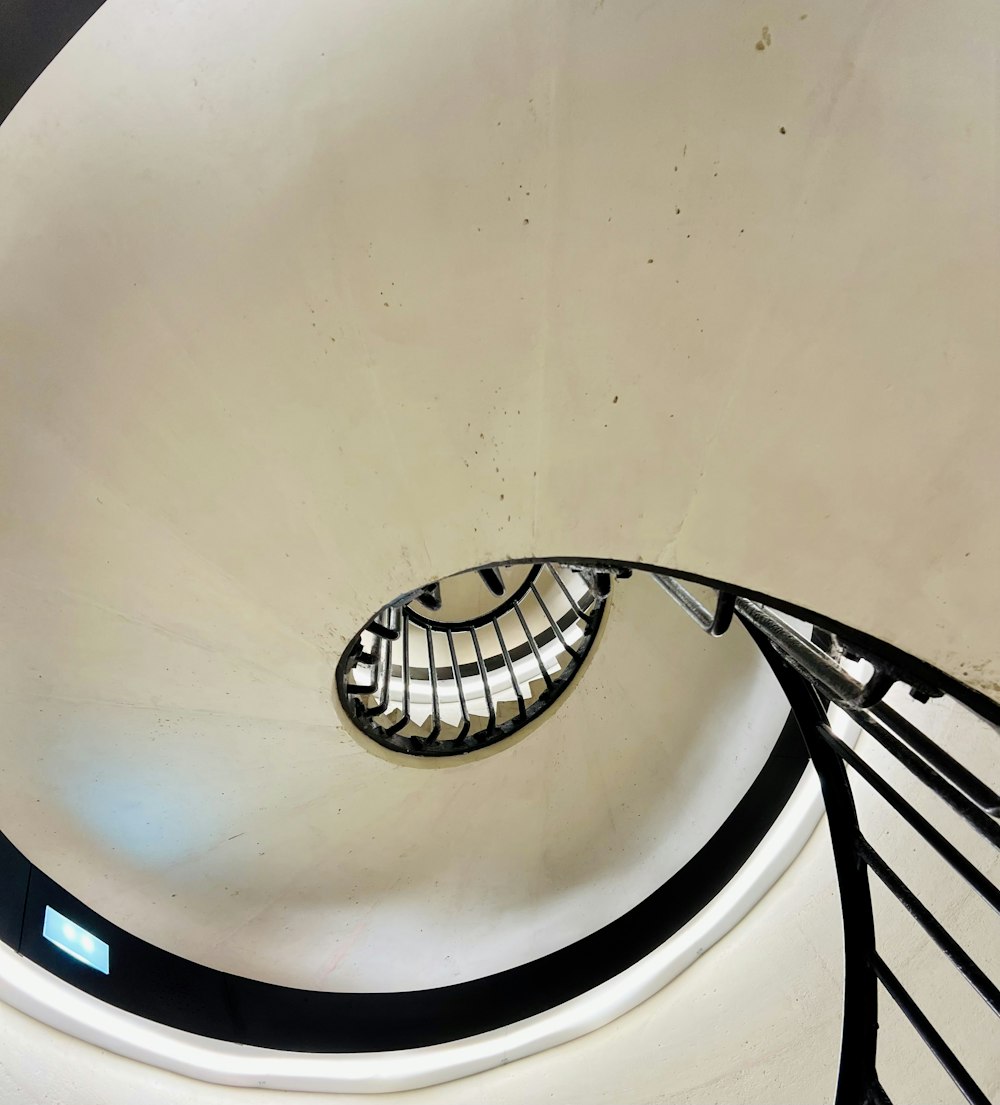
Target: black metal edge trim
pixel 31 35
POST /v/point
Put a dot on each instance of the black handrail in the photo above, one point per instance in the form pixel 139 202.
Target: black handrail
pixel 810 676
pixel 483 620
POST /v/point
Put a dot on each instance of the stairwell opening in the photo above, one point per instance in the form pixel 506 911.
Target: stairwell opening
pixel 465 663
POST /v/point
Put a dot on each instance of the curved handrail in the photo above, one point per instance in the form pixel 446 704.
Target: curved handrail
pixel 807 674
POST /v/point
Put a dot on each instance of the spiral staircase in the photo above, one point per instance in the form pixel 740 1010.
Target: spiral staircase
pixel 498 553
pixel 503 665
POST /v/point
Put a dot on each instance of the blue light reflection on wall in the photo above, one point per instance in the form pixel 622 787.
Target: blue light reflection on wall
pixel 75 941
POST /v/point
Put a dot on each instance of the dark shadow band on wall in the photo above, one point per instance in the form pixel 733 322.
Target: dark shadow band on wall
pixel 32 32
pixel 171 990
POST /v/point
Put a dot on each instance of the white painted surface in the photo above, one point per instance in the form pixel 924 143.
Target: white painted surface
pixel 681 1046
pixel 208 207
pixel 278 848
pixel 35 991
pixel 203 212
pixel 754 1019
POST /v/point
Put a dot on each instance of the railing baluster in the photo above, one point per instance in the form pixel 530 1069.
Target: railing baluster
pixel 385 654
pixel 574 605
pixel 554 623
pixel 964 807
pixel 405 631
pixel 491 724
pixel 435 703
pixel 457 672
pixel 534 648
pixel 856 1079
pixel 933 927
pixel 929 1034
pixel 510 668
pixel 950 768
pixel 948 852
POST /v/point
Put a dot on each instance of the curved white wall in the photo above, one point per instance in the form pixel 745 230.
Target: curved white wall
pixel 286 852
pixel 209 209
pixel 277 345
pixel 757 1018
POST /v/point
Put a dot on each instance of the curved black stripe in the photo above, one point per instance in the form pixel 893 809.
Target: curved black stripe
pixel 480 620
pixel 32 32
pixel 167 988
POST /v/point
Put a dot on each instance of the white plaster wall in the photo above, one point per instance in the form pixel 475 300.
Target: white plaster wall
pixel 755 1019
pixel 207 208
pixel 278 848
pixel 276 344
pixel 727 1030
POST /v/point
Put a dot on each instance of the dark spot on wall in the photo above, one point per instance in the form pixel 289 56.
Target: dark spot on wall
pixel 781 130
pixel 615 400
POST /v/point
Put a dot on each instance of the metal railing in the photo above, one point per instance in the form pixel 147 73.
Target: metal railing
pixel 424 686
pixel 813 679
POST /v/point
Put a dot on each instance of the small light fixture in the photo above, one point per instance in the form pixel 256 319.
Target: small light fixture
pixel 75 941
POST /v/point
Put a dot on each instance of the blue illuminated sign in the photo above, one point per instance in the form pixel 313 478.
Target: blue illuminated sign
pixel 75 941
